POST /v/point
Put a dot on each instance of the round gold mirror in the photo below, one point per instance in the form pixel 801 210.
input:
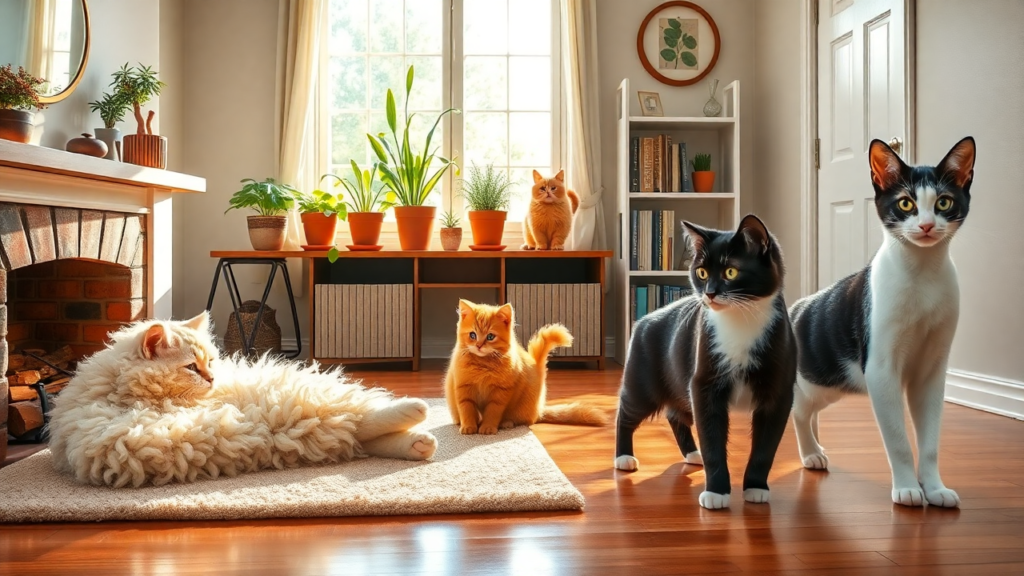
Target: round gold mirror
pixel 49 39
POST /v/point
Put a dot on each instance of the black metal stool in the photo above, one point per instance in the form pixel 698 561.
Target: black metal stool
pixel 224 266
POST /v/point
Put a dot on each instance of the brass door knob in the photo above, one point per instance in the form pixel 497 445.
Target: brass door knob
pixel 897 145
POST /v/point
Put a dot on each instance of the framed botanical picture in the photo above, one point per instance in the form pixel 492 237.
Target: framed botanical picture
pixel 678 43
pixel 650 103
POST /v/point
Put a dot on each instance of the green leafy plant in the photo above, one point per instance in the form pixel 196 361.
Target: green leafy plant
pixel 19 90
pixel 701 163
pixel 320 202
pixel 403 170
pixel 449 220
pixel 679 45
pixel 267 198
pixel 487 188
pixel 137 85
pixel 112 108
pixel 367 194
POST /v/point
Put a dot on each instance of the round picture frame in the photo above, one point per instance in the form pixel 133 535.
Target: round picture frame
pixel 678 42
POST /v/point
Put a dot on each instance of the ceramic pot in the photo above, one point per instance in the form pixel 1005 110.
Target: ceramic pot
pixel 451 238
pixel 319 228
pixel 110 137
pixel 488 226
pixel 703 181
pixel 415 226
pixel 16 125
pixel 144 150
pixel 365 227
pixel 267 232
pixel 87 145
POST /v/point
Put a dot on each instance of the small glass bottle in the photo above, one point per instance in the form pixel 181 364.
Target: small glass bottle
pixel 712 107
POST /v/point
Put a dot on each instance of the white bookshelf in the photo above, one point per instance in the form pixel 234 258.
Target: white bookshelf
pixel 719 137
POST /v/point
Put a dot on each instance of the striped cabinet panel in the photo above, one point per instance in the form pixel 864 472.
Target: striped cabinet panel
pixel 363 320
pixel 577 306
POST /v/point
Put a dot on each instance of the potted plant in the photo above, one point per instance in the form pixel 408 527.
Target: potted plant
pixel 408 174
pixel 18 97
pixel 703 177
pixel 369 201
pixel 320 212
pixel 112 108
pixel 137 86
pixel 488 193
pixel 271 200
pixel 451 234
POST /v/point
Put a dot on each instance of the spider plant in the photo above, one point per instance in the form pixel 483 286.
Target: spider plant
pixel 366 193
pixel 449 220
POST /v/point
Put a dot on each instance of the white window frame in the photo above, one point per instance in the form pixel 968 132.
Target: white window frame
pixel 452 145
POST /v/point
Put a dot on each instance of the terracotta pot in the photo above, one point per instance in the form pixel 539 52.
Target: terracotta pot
pixel 703 181
pixel 488 226
pixel 87 145
pixel 365 227
pixel 144 150
pixel 451 238
pixel 415 226
pixel 112 138
pixel 16 125
pixel 267 232
pixel 319 228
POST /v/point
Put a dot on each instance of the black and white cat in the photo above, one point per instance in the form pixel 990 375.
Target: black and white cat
pixel 730 345
pixel 887 329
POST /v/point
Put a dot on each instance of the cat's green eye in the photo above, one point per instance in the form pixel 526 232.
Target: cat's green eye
pixel 731 273
pixel 906 204
pixel 702 273
pixel 491 337
pixel 944 204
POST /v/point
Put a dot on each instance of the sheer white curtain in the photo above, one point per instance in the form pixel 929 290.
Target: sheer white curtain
pixel 579 46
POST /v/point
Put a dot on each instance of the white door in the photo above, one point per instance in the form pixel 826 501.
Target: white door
pixel 861 96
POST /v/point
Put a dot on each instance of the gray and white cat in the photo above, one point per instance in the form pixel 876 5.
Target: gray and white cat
pixel 887 330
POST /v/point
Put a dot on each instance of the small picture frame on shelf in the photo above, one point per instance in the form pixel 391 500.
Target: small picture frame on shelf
pixel 650 103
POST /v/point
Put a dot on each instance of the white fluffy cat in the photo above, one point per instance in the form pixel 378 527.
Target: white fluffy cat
pixel 159 405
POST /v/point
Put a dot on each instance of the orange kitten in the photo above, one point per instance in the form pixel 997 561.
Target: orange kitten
pixel 549 220
pixel 493 382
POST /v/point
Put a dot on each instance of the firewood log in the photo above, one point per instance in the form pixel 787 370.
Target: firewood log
pixel 23 417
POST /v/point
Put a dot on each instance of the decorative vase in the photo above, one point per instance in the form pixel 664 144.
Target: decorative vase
pixel 144 150
pixel 488 226
pixel 703 180
pixel 87 145
pixel 365 227
pixel 712 107
pixel 16 125
pixel 267 232
pixel 111 137
pixel 451 238
pixel 415 226
pixel 319 228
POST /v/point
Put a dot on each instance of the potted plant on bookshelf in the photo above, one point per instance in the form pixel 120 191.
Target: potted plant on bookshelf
pixel 320 212
pixel 488 193
pixel 271 200
pixel 19 98
pixel 451 233
pixel 112 108
pixel 703 176
pixel 408 174
pixel 368 201
pixel 139 85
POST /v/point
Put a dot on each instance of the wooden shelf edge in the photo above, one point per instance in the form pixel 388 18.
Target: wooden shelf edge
pixel 414 254
pixel 462 285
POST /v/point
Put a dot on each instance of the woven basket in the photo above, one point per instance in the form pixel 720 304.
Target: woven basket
pixel 268 333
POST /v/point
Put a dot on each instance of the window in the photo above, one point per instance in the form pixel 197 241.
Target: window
pixel 500 66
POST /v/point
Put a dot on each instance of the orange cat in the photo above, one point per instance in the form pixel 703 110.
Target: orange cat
pixel 493 382
pixel 549 219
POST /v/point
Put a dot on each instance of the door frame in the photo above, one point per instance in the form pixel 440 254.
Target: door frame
pixel 809 129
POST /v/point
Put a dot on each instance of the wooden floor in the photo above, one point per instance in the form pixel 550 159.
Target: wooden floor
pixel 647 522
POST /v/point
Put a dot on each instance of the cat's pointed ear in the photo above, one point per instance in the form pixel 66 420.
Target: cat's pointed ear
pixel 200 323
pixel 886 166
pixel 560 176
pixel 537 177
pixel 959 162
pixel 465 307
pixel 505 313
pixel 698 236
pixel 755 233
pixel 155 339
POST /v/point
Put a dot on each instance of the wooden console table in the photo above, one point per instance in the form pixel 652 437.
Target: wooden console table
pixel 366 307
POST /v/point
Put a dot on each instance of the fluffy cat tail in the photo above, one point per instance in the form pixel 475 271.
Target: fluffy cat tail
pixel 547 339
pixel 574 200
pixel 573 413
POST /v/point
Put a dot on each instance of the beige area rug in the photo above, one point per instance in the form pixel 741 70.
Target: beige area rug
pixel 508 472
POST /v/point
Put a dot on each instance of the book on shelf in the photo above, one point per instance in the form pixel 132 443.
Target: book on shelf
pixel 658 164
pixel 684 180
pixel 634 164
pixel 646 298
pixel 652 240
pixel 647 164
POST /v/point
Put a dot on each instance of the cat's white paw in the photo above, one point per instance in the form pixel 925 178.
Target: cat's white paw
pixel 713 501
pixel 627 463
pixel 908 496
pixel 557 247
pixel 526 247
pixel 412 409
pixel 755 495
pixel 423 446
pixel 507 424
pixel 943 497
pixel 694 458
pixel 816 461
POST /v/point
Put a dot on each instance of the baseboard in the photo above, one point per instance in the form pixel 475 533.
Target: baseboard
pixel 982 392
pixel 442 347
